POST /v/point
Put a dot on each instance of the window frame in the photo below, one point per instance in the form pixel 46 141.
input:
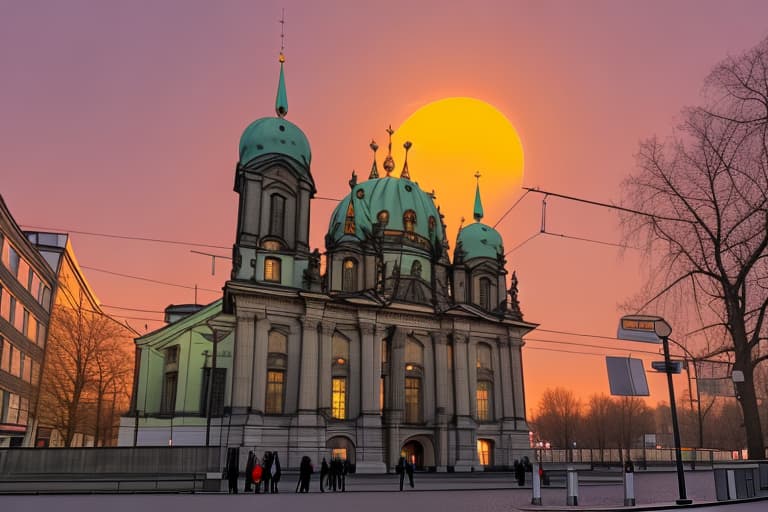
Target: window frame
pixel 276 263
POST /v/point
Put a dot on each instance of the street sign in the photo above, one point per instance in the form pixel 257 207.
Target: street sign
pixel 638 328
pixel 626 376
pixel 671 367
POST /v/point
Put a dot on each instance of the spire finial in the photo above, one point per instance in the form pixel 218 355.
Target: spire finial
pixel 478 212
pixel 405 174
pixel 389 163
pixel 374 168
pixel 281 102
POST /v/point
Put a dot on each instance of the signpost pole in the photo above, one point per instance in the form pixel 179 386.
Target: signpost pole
pixel 675 428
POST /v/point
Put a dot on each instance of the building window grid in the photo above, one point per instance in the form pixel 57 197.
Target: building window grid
pixel 484 390
pixel 485 293
pixel 275 388
pixel 484 450
pixel 277 215
pixel 413 400
pixel 349 275
pixel 339 398
pixel 272 270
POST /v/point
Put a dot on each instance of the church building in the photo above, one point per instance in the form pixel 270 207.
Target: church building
pixel 386 347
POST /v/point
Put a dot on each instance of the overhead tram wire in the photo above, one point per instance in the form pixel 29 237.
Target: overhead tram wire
pixel 125 237
pixel 511 208
pixel 133 309
pixel 155 281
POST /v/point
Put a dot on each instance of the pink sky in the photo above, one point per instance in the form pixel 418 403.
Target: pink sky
pixel 125 118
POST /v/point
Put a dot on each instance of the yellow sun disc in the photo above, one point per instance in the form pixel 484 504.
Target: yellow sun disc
pixel 452 139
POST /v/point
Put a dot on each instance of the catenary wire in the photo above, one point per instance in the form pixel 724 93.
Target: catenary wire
pixel 126 237
pixel 155 281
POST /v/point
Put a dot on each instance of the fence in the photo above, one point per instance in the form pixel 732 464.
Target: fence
pixel 615 456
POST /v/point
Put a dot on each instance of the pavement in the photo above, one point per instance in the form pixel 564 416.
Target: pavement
pixel 484 492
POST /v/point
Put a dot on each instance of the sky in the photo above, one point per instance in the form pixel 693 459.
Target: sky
pixel 124 118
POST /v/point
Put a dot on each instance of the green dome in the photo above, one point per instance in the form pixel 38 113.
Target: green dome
pixel 480 241
pixel 395 196
pixel 274 135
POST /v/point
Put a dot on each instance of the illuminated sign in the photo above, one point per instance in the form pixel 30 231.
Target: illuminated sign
pixel 639 328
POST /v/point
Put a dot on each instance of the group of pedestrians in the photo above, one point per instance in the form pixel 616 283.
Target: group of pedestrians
pixel 333 476
pixel 520 468
pixel 262 475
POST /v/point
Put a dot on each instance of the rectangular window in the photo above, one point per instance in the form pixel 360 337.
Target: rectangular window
pixel 5 362
pixel 25 322
pixel 23 411
pixel 16 363
pixel 217 392
pixel 381 395
pixel 484 452
pixel 41 334
pixel 272 269
pixel 168 404
pixel 5 305
pixel 13 261
pixel 412 400
pixel 339 398
pixel 13 408
pixel 484 400
pixel 275 381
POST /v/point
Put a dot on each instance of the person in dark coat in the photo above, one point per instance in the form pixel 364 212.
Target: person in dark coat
pixel 333 475
pixel 519 473
pixel 249 472
pixel 400 470
pixel 324 470
pixel 233 469
pixel 275 473
pixel 409 470
pixel 266 468
pixel 305 473
pixel 345 467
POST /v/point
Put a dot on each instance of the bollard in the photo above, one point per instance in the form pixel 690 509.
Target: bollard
pixel 629 489
pixel 573 487
pixel 536 485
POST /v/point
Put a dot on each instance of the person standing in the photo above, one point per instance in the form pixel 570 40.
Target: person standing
pixel 519 469
pixel 323 474
pixel 409 470
pixel 249 472
pixel 233 469
pixel 400 470
pixel 275 470
pixel 266 471
pixel 256 474
pixel 305 473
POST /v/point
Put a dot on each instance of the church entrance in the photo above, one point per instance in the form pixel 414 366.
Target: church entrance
pixel 414 453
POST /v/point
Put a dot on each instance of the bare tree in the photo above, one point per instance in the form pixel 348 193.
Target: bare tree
pixel 707 190
pixel 83 359
pixel 559 417
pixel 598 422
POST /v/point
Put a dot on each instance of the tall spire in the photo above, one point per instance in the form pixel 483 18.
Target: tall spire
pixel 478 211
pixel 281 102
pixel 389 162
pixel 374 168
pixel 405 174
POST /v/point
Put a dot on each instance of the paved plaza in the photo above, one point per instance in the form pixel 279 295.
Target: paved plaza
pixel 441 492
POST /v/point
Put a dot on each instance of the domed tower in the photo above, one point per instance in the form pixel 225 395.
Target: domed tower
pixel 275 186
pixel 479 275
pixel 386 238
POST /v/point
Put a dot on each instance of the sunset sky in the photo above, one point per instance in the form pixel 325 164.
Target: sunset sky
pixel 125 117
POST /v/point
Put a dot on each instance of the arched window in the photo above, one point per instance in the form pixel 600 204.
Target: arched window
pixel 485 293
pixel 272 269
pixel 432 223
pixel 414 361
pixel 277 215
pixel 409 220
pixel 277 362
pixel 416 268
pixel 349 275
pixel 383 217
pixel 340 373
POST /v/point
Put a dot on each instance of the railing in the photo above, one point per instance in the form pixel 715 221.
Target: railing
pixel 638 455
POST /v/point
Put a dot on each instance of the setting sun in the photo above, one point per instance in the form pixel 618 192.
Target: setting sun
pixel 452 139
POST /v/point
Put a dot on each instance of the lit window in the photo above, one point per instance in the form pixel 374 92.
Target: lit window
pixel 381 395
pixel 349 223
pixel 409 220
pixel 274 402
pixel 277 215
pixel 349 275
pixel 484 389
pixel 339 398
pixel 272 245
pixel 412 400
pixel 339 453
pixel 485 293
pixel 272 269
pixel 484 449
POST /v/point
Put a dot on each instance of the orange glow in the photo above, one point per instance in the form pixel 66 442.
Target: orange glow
pixel 452 139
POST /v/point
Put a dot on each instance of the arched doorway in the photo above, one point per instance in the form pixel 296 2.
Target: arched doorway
pixel 414 454
pixel 341 447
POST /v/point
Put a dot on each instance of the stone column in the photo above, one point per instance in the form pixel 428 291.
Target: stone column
pixel 506 381
pixel 369 397
pixel 517 383
pixel 324 361
pixel 472 377
pixel 259 389
pixel 442 385
pixel 242 365
pixel 308 379
pixel 396 394
pixel 460 373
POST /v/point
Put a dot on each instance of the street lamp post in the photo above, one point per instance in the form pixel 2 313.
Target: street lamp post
pixel 698 392
pixel 209 391
pixel 663 330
